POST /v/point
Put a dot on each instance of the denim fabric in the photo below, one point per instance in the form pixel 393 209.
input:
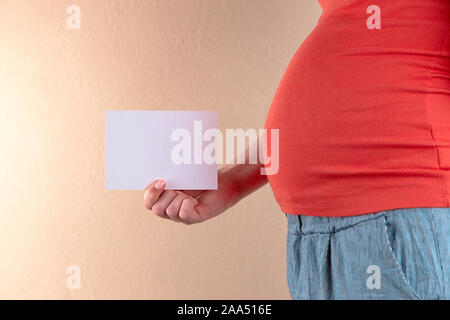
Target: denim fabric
pixel 393 254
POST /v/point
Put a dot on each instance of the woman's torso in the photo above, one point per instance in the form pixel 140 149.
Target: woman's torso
pixel 364 113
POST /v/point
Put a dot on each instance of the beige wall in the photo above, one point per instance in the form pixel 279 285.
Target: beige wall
pixel 55 85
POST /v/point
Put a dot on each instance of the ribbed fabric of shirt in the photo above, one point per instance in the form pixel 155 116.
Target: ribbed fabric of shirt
pixel 364 114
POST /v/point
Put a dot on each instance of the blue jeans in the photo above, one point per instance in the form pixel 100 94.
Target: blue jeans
pixel 393 254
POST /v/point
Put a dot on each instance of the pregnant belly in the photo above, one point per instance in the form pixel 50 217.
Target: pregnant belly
pixel 353 113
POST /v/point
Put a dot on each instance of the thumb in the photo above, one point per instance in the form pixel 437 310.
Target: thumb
pixel 188 211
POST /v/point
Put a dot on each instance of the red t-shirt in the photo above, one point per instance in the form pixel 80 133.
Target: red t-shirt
pixel 364 113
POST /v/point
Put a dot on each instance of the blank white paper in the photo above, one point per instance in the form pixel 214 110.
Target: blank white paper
pixel 139 147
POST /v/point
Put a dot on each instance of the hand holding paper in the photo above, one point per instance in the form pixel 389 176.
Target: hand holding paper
pixel 188 206
pixel 139 149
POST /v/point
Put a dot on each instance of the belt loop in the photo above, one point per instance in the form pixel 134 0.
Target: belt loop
pixel 300 224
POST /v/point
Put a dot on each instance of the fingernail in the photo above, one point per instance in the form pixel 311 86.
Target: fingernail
pixel 160 184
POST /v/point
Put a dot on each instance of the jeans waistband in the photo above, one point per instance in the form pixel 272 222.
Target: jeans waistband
pixel 311 225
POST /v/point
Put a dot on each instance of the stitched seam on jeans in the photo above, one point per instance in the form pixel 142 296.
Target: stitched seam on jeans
pixel 402 274
pixel 439 250
pixel 356 225
pixel 294 233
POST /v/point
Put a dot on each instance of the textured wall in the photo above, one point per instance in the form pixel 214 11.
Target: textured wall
pixel 55 85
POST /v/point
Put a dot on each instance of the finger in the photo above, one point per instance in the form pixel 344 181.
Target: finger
pixel 160 206
pixel 188 212
pixel 153 192
pixel 173 208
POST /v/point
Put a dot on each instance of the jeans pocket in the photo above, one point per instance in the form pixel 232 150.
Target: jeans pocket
pixel 414 242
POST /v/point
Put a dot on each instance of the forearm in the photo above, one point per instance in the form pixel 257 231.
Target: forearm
pixel 244 179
